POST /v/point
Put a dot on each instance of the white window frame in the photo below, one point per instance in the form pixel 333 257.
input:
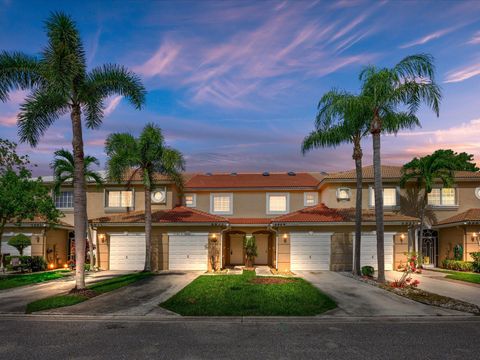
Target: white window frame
pixel 212 210
pixel 349 191
pixel 194 200
pixel 315 198
pixel 106 194
pixel 55 200
pixel 287 210
pixel 441 205
pixel 371 196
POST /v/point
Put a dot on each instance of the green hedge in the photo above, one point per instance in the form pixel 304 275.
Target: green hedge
pixel 457 265
pixel 476 261
pixel 26 263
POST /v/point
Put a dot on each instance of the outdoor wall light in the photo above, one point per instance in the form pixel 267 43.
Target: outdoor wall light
pixel 285 237
pixel 474 237
pixel 101 237
pixel 402 237
pixel 214 237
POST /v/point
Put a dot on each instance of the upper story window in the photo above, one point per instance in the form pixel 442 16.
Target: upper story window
pixel 64 200
pixel 343 193
pixel 119 198
pixel 442 197
pixel 389 197
pixel 277 203
pixel 190 200
pixel 221 203
pixel 310 198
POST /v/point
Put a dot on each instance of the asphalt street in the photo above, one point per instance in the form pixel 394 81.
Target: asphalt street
pixel 98 338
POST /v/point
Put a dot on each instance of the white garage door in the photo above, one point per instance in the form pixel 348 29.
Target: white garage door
pixel 187 251
pixel 10 250
pixel 369 250
pixel 310 251
pixel 127 252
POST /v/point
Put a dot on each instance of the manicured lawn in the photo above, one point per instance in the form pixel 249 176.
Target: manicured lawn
pixel 468 277
pixel 93 290
pixel 11 281
pixel 239 295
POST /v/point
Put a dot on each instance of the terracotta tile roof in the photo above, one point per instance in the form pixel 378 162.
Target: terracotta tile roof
pixel 41 220
pixel 252 180
pixel 249 221
pixel 369 216
pixel 471 215
pixel 321 213
pixel 389 172
pixel 317 213
pixel 178 214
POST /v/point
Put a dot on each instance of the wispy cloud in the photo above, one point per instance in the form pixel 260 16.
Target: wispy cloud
pixel 235 71
pixel 427 38
pixel 463 73
pixel 112 104
pixel 475 39
pixel 8 120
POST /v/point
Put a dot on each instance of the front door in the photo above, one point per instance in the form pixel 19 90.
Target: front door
pixel 236 249
pixel 262 249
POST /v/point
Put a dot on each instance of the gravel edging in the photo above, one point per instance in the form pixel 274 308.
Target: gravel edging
pixel 422 296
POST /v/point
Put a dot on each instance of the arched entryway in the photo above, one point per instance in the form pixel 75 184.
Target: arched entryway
pixel 234 252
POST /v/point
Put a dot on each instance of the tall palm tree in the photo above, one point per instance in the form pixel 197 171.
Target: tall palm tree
pixel 60 84
pixel 431 169
pixel 386 92
pixel 342 118
pixel 148 155
pixel 63 166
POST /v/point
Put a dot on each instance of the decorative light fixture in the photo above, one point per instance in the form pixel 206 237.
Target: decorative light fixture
pixel 285 237
pixel 214 237
pixel 65 265
pixel 475 237
pixel 51 266
pixel 402 237
pixel 101 237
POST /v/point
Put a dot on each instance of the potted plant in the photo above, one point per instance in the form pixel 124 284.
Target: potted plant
pixel 250 246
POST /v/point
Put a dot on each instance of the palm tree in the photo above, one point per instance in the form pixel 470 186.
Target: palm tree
pixel 431 169
pixel 63 166
pixel 148 155
pixel 341 119
pixel 60 84
pixel 386 91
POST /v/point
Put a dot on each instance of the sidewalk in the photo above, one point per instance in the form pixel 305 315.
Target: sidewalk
pixel 15 300
pixel 433 282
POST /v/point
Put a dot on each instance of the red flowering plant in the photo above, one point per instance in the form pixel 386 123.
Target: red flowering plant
pixel 411 266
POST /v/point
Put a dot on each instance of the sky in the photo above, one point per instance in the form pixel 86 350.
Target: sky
pixel 235 84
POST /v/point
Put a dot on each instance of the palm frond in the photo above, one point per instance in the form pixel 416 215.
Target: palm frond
pixel 38 112
pixel 18 71
pixel 122 153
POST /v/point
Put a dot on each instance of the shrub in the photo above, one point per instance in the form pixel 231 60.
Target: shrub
pixel 368 271
pixel 457 265
pixel 476 261
pixel 458 252
pixel 37 263
pixel 250 245
pixel 26 263
pixel 87 267
pixel 20 242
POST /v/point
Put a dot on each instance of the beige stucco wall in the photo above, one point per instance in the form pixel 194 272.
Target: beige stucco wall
pixel 250 203
pixel 462 235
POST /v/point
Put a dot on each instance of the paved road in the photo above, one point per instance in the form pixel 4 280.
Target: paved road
pixel 15 300
pixel 355 298
pixel 140 298
pixel 436 338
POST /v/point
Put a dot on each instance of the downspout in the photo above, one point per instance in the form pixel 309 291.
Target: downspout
pixel 464 255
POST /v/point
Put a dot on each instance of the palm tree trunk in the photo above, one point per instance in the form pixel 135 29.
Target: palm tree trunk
pixel 148 228
pixel 377 169
pixel 422 222
pixel 357 156
pixel 90 247
pixel 2 228
pixel 79 198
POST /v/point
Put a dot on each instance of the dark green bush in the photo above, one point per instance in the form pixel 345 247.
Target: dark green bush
pixel 476 261
pixel 457 265
pixel 26 263
pixel 37 263
pixel 368 271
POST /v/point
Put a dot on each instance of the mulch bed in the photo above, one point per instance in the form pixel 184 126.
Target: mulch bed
pixel 270 281
pixel 84 292
pixel 422 296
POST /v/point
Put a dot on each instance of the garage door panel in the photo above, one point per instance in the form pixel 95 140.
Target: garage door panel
pixel 127 252
pixel 188 252
pixel 310 251
pixel 369 250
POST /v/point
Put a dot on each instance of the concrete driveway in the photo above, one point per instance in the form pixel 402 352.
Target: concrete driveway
pixel 15 300
pixel 435 282
pixel 140 298
pixel 355 298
